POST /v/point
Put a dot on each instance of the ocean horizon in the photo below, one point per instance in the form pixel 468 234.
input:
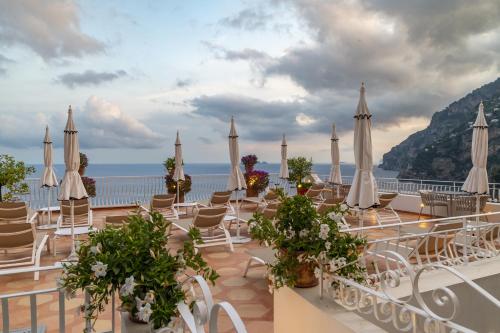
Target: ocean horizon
pixel 155 169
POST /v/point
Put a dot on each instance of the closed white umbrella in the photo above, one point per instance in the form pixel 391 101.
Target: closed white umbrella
pixel 71 186
pixel 477 180
pixel 363 193
pixel 49 179
pixel 335 176
pixel 179 170
pixel 284 161
pixel 236 181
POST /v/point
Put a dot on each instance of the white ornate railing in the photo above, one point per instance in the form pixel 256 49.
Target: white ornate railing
pixel 128 190
pixel 449 241
pixel 412 312
pixel 204 312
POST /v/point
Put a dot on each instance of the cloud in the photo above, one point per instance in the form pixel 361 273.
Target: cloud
pixel 247 19
pixel 4 60
pixel 88 78
pixel 107 126
pixel 183 83
pixel 415 57
pixel 49 28
pixel 100 124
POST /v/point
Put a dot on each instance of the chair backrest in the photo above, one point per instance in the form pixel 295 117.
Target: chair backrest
pixel 270 196
pixel 116 221
pixel 439 199
pixel 344 190
pixel 81 210
pixel 465 203
pixel 318 186
pixel 162 201
pixel 209 217
pixel 13 212
pixel 313 193
pixel 439 236
pixel 18 238
pixel 220 198
pixel 328 204
pixel 385 199
pixel 426 198
pixel 17 235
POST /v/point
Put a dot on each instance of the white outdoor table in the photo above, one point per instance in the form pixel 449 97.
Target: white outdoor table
pixel 186 205
pixel 40 218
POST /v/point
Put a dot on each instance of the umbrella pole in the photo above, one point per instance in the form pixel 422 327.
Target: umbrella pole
pixel 238 239
pixel 477 209
pixel 178 194
pixel 49 212
pixel 72 255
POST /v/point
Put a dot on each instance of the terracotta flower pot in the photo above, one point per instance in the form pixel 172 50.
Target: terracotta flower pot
pixel 301 190
pixel 305 276
pixel 81 171
pixel 252 192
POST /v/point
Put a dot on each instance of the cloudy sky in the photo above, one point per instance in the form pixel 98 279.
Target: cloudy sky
pixel 137 71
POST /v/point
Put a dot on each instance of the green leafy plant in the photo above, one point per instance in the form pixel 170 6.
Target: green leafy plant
pixel 301 235
pixel 299 167
pixel 169 165
pixel 135 261
pixel 12 176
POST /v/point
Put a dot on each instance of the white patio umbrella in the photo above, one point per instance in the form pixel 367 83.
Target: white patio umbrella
pixel 49 179
pixel 477 180
pixel 363 193
pixel 179 170
pixel 335 176
pixel 72 186
pixel 284 161
pixel 236 181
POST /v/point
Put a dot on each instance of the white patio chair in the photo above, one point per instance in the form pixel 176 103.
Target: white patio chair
pixel 21 246
pixel 82 220
pixel 210 222
pixel 384 212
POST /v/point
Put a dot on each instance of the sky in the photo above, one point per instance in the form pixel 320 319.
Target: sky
pixel 135 72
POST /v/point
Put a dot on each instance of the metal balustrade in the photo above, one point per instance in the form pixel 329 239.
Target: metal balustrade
pixel 113 191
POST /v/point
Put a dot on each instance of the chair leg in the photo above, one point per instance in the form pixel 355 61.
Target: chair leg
pixel 249 263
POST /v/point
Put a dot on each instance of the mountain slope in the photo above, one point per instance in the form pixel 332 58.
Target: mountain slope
pixel 442 150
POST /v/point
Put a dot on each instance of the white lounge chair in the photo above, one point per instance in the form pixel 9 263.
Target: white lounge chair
pixel 164 204
pixel 82 220
pixel 384 212
pixel 210 222
pixel 15 212
pixel 21 246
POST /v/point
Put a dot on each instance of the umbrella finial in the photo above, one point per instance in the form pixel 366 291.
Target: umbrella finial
pixel 334 133
pixel 177 139
pixel 70 124
pixel 232 131
pixel 480 119
pixel 47 135
pixel 283 142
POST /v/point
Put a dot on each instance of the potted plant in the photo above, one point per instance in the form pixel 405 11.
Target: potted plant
pixel 249 162
pixel 135 262
pixel 12 176
pixel 304 240
pixel 257 180
pixel 300 167
pixel 84 163
pixel 89 184
pixel 184 185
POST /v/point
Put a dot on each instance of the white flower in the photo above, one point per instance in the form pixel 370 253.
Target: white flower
pixel 138 303
pixel 252 225
pixel 328 245
pixel 150 297
pixel 181 259
pixel 344 207
pixel 145 312
pixel 341 261
pixel 99 269
pixel 128 288
pixel 303 233
pixel 317 273
pixel 292 233
pixel 96 249
pixel 324 229
pixel 333 265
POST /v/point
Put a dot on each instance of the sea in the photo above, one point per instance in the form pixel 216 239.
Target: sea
pixel 103 170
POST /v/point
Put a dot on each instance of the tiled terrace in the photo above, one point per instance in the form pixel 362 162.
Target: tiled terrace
pixel 249 295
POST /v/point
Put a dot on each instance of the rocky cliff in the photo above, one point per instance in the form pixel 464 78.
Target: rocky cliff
pixel 442 150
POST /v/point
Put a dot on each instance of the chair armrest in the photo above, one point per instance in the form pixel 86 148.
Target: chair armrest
pixel 41 245
pixel 91 217
pixel 33 217
pixel 144 209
